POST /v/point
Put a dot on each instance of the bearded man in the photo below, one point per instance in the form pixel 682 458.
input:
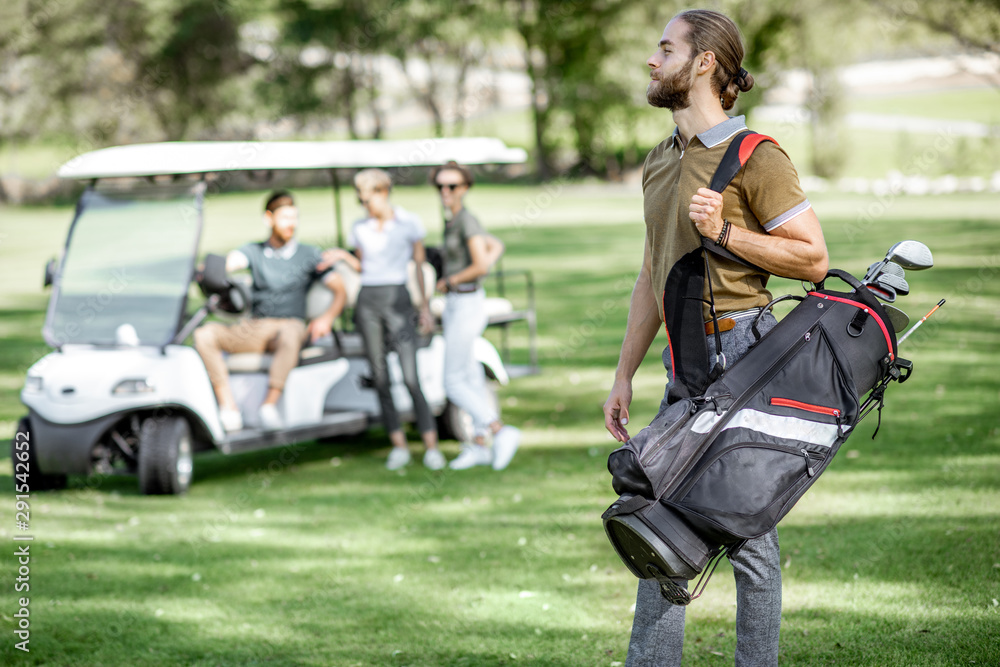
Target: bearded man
pixel 763 217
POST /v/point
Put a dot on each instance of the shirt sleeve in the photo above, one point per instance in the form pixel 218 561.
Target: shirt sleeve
pixel 771 187
pixel 315 256
pixel 471 226
pixel 250 251
pixel 416 229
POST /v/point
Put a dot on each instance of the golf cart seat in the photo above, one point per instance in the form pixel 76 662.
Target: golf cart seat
pixel 496 308
pixel 346 343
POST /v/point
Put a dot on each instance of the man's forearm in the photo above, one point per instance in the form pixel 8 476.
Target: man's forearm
pixel 787 257
pixel 640 330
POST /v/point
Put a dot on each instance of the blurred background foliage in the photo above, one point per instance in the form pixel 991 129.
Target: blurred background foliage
pixel 76 75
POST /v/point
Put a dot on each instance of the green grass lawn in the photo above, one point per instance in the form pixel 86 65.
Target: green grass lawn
pixel 316 555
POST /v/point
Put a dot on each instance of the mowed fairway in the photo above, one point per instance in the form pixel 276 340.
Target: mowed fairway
pixel 316 555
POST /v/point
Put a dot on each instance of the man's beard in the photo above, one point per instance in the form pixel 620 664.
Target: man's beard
pixel 674 93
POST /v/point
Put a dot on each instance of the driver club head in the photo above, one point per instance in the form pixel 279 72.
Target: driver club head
pixel 911 255
pixel 897 283
pixel 898 318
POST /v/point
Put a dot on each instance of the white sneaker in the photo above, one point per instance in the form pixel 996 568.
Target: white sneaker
pixel 231 420
pixel 398 457
pixel 505 443
pixel 471 455
pixel 434 459
pixel 270 420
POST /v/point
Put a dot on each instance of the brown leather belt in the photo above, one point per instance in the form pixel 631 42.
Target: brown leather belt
pixel 725 324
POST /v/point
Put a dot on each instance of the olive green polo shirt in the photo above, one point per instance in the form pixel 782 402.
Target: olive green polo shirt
pixel 764 195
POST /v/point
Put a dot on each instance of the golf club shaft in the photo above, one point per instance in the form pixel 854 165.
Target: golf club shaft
pixel 922 319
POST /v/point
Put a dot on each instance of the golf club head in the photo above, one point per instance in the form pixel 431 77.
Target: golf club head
pixel 898 318
pixel 882 267
pixel 895 282
pixel 883 292
pixel 911 255
pixel 893 269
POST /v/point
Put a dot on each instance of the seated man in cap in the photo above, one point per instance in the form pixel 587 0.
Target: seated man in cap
pixel 283 271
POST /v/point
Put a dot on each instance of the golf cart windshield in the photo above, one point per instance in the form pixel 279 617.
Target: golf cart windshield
pixel 127 265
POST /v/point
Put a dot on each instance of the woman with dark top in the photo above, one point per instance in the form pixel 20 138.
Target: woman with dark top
pixel 384 242
pixel 469 252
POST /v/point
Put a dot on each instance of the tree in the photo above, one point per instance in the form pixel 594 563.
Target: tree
pixel 330 53
pixel 566 44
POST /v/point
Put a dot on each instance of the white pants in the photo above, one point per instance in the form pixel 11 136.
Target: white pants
pixel 464 320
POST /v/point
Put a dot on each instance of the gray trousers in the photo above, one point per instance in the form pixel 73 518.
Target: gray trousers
pixel 384 316
pixel 658 627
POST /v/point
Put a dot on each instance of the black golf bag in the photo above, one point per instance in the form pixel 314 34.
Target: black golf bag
pixel 725 462
pixel 715 470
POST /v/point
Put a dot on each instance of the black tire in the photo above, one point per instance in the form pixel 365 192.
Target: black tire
pixel 165 456
pixel 37 480
pixel 455 423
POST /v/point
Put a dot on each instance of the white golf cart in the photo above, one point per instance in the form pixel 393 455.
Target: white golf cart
pixel 123 394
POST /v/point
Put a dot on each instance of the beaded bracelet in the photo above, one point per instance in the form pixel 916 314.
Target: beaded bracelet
pixel 723 235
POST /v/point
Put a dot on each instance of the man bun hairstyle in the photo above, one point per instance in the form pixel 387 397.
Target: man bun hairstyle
pixel 277 199
pixel 713 31
pixel 452 165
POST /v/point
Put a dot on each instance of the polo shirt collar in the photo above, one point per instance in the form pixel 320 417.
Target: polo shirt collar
pixel 284 252
pixel 714 136
pixel 372 221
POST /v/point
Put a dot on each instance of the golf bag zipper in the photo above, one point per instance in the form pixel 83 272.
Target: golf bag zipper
pixel 808 407
pixel 809 468
pixel 696 404
pixel 655 447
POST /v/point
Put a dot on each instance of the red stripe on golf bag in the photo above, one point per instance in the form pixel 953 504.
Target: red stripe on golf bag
pixel 867 309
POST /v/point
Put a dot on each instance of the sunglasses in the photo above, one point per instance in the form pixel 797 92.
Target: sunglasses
pixel 451 187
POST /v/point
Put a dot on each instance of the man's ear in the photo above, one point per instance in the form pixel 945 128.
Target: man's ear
pixel 268 220
pixel 706 62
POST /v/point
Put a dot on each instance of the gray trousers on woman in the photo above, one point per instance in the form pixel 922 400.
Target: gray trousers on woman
pixel 384 316
pixel 658 627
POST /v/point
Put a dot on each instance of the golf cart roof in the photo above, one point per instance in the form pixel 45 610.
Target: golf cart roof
pixel 200 157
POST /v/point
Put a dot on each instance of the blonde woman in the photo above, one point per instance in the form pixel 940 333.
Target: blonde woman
pixel 384 242
pixel 469 252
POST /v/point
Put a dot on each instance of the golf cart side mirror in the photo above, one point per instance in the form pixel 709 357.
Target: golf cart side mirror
pixel 213 278
pixel 51 267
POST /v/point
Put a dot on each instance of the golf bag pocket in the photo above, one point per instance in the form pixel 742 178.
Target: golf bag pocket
pixel 766 451
pixel 650 451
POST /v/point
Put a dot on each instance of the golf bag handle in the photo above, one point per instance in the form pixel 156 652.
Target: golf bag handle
pixel 843 275
pixel 767 309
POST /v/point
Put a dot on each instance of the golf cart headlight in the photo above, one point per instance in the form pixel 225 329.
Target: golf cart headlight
pixel 33 383
pixel 135 386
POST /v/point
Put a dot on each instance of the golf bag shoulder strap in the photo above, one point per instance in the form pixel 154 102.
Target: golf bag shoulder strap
pixel 739 151
pixel 683 292
pixel 736 155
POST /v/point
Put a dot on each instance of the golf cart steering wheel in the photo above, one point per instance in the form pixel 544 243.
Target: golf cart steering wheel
pixel 223 292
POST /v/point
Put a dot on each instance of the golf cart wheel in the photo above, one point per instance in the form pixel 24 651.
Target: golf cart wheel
pixel 36 479
pixel 165 456
pixel 455 423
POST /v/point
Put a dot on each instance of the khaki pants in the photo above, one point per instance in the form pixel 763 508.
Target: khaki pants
pixel 283 337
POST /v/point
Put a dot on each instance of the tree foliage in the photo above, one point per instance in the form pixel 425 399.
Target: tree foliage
pixel 100 72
